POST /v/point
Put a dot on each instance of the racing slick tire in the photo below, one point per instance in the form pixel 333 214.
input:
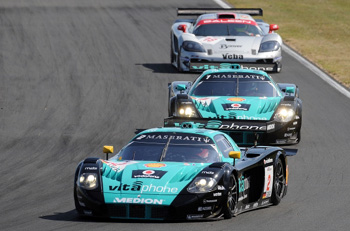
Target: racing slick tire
pixel 279 183
pixel 230 203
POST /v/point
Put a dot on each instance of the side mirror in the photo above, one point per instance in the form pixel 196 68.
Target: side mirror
pixel 235 154
pixel 182 27
pixel 273 27
pixel 290 90
pixel 181 87
pixel 107 150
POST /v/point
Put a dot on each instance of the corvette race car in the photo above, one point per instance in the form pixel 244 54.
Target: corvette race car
pixel 246 104
pixel 184 173
pixel 220 35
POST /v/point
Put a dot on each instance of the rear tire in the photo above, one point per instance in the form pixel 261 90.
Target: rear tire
pixel 279 183
pixel 230 204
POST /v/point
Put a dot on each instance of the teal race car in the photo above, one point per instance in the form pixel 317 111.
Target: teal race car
pixel 180 173
pixel 246 104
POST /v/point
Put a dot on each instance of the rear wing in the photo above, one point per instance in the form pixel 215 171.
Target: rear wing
pixel 200 11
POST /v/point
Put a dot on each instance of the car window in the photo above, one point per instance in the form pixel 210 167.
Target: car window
pixel 229 29
pixel 223 144
pixel 229 88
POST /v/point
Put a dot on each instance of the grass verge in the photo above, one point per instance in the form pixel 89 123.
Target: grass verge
pixel 318 29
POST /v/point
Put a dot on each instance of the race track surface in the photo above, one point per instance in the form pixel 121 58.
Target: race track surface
pixel 79 74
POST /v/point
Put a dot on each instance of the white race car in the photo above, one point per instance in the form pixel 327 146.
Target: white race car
pixel 219 36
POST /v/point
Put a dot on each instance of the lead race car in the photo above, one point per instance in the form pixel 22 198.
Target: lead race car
pixel 185 173
pixel 224 36
pixel 246 104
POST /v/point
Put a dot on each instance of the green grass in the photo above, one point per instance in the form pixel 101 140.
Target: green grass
pixel 318 29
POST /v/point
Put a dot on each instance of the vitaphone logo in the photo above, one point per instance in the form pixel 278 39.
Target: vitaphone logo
pixel 231 56
pixel 216 124
pixel 137 186
pixel 225 65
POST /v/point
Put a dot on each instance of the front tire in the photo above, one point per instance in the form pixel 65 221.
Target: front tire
pixel 279 183
pixel 230 204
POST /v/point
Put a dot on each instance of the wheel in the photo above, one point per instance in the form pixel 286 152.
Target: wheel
pixel 178 61
pixel 232 198
pixel 279 183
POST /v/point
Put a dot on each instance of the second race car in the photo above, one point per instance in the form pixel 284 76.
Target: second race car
pixel 246 104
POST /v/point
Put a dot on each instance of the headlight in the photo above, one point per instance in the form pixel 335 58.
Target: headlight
pixel 284 115
pixel 202 185
pixel 269 46
pixel 88 181
pixel 192 46
pixel 187 111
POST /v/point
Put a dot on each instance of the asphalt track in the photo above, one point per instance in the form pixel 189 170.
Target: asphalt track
pixel 77 75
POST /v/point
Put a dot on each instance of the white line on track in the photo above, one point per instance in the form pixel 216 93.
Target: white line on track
pixel 305 62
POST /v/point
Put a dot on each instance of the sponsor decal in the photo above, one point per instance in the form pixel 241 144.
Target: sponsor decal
pixel 173 137
pixel 270 127
pixel 208 172
pixel 232 56
pixel 255 205
pixel 291 129
pixel 236 76
pixel 288 134
pixel 205 201
pixel 207 208
pixel 247 207
pixel 205 101
pixel 194 216
pixel 218 194
pixel 225 46
pixel 126 200
pixel 295 123
pixel 118 166
pixel 221 187
pixel 264 202
pixel 236 99
pixel 209 21
pixel 234 126
pixel 209 39
pixel 155 165
pixel 90 168
pixel 267 161
pixel 257 68
pixel 236 106
pixel 243 186
pixel 154 174
pixel 268 181
pixel 138 186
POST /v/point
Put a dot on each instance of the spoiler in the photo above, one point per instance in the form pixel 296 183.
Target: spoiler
pixel 200 11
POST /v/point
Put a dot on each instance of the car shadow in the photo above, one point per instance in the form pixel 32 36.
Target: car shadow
pixel 73 216
pixel 160 67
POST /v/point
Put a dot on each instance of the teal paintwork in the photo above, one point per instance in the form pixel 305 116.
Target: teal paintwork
pixel 261 108
pixel 120 186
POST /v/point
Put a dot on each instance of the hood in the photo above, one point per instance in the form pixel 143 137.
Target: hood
pixel 241 108
pixel 146 182
pixel 238 45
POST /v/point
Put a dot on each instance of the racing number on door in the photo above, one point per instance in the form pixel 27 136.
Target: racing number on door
pixel 268 179
pixel 268 183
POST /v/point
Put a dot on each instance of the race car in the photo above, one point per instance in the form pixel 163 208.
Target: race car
pixel 220 35
pixel 181 173
pixel 246 104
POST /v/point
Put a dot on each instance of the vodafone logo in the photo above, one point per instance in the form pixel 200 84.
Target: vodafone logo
pixel 148 172
pixel 235 105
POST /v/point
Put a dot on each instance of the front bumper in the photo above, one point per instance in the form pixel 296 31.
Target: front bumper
pixel 246 132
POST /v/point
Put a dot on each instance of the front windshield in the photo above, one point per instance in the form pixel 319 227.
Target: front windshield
pixel 229 29
pixel 164 146
pixel 200 153
pixel 229 88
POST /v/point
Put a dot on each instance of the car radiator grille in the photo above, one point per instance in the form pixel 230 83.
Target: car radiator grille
pixel 138 211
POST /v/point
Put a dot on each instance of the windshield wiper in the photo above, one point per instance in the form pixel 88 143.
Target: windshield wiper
pixel 165 150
